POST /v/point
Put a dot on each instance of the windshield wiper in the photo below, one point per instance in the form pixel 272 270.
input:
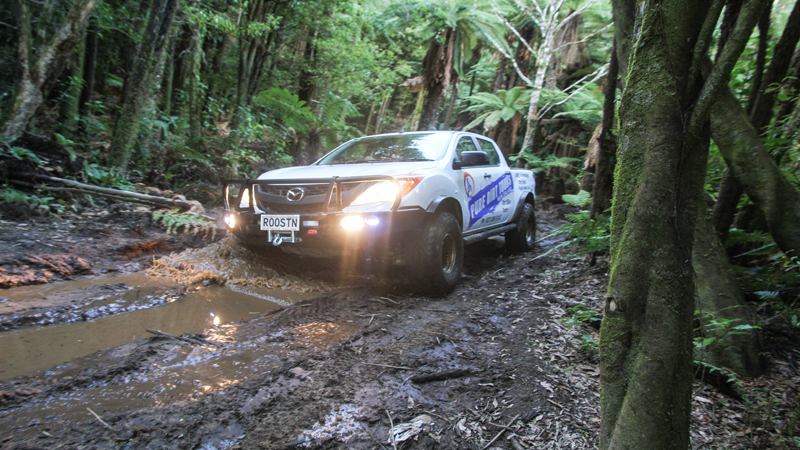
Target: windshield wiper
pixel 413 159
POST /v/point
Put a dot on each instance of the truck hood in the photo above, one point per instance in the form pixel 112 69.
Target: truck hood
pixel 349 170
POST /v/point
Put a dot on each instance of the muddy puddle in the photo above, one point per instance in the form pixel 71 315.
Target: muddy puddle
pixel 186 293
pixel 127 307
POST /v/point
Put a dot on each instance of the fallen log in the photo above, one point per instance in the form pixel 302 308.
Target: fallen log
pixel 119 194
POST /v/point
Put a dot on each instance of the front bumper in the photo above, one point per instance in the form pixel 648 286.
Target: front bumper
pixel 321 232
pixel 381 231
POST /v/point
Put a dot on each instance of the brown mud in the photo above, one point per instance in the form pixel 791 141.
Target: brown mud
pixel 358 362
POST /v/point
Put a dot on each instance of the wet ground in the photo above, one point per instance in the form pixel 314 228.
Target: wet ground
pixel 252 350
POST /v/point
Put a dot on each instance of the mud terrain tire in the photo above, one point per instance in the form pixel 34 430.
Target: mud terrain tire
pixel 437 256
pixel 522 238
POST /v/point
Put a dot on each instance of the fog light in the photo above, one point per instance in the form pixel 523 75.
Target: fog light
pixel 372 220
pixel 230 220
pixel 352 223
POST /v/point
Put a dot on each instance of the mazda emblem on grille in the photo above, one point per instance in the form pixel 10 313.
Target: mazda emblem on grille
pixel 295 194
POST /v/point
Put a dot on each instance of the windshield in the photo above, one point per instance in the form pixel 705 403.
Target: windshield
pixel 392 148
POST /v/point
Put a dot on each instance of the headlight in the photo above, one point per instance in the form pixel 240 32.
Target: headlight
pixel 230 220
pixel 245 203
pixel 352 223
pixel 382 191
pixel 385 191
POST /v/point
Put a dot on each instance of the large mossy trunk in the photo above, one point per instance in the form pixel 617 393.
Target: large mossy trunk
pixel 40 66
pixel 750 162
pixel 438 63
pixel 646 335
pixel 139 82
pixel 721 307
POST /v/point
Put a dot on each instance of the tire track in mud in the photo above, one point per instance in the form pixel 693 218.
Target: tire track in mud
pixel 476 339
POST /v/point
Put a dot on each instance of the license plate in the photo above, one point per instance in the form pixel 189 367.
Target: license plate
pixel 280 223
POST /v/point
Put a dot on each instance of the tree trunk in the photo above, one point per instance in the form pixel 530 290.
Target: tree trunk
pixel 89 66
pixel 719 297
pixel 761 56
pixel 646 334
pixel 29 94
pixel 194 102
pixel 168 79
pixel 71 104
pixel 453 94
pixel 438 63
pixel 181 66
pixel 750 162
pixel 607 152
pixel 138 83
pixel 730 192
pixel 778 68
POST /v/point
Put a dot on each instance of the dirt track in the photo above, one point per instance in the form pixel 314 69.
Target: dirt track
pixel 488 366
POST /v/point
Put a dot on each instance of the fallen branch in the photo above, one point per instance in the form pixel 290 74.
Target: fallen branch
pixel 502 431
pixel 190 340
pixel 119 194
pixel 81 191
pixel 100 419
pixel 387 366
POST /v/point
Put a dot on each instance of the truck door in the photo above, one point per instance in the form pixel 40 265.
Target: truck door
pixel 486 187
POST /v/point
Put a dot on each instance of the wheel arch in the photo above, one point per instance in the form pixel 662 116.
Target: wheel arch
pixel 446 204
pixel 529 198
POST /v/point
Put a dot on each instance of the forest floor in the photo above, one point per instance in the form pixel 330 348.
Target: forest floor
pixel 358 363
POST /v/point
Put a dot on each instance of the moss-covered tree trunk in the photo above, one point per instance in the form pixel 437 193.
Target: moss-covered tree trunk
pixel 603 188
pixel 40 66
pixel 439 72
pixel 89 66
pixel 750 162
pixel 646 335
pixel 719 299
pixel 139 82
pixel 71 103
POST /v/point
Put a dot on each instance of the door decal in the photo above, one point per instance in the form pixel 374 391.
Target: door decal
pixel 487 199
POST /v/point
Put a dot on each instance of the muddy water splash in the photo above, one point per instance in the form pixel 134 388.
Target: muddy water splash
pixel 227 262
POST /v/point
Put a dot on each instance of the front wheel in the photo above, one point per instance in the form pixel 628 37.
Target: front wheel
pixel 438 255
pixel 522 238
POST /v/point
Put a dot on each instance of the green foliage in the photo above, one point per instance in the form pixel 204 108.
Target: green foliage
pixel 590 236
pixel 42 205
pixel 580 200
pixel 101 176
pixel 491 108
pixel 293 112
pixel 22 154
pixel 539 164
pixel 585 106
pixel 758 261
pixel 578 316
pixel 185 223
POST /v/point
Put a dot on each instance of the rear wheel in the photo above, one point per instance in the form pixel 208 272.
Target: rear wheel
pixel 438 255
pixel 522 238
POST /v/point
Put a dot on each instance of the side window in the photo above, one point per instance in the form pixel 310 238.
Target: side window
pixel 465 144
pixel 486 146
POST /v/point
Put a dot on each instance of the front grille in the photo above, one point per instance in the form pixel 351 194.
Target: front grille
pixel 282 190
pixel 272 197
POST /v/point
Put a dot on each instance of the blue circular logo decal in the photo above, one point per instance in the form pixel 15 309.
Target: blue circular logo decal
pixel 469 184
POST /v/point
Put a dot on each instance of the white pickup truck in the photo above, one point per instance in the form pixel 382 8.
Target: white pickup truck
pixel 411 198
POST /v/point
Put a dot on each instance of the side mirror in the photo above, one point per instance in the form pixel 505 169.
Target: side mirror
pixel 471 159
